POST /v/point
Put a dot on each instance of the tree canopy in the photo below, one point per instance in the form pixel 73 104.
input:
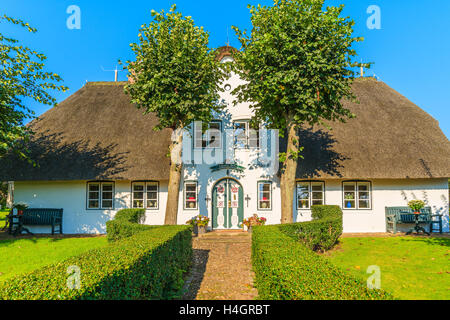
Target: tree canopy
pixel 297 62
pixel 175 73
pixel 22 76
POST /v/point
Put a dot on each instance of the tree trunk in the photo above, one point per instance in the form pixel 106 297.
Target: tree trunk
pixel 176 167
pixel 288 175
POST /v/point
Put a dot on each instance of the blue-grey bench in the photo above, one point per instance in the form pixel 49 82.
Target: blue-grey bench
pixel 43 217
pixel 404 215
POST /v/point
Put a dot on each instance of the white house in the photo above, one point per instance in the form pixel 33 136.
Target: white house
pixel 97 154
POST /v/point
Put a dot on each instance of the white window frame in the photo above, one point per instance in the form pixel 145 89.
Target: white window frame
pixel 310 193
pixel 205 138
pixel 100 199
pixel 247 135
pixel 145 192
pixel 357 192
pixel 186 183
pixel 259 194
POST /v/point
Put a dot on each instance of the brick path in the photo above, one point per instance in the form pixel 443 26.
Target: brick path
pixel 221 267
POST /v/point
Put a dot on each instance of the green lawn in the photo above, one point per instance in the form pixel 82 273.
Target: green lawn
pixel 411 267
pixel 23 255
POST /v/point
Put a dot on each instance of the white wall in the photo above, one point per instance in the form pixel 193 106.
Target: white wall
pixel 71 196
pixel 386 193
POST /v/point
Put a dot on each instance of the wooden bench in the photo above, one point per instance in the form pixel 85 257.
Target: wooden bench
pixel 43 217
pixel 404 215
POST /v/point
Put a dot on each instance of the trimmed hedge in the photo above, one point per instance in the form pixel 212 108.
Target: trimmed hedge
pixel 125 224
pixel 149 264
pixel 321 212
pixel 285 269
pixel 320 234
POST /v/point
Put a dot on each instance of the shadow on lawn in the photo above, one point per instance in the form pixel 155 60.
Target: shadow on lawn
pixel 7 239
pixel 434 241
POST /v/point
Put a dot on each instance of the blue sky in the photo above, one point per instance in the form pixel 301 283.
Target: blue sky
pixel 411 51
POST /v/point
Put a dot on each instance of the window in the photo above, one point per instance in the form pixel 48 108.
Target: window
pixel 208 136
pixel 190 195
pixel 264 196
pixel 310 193
pixel 245 136
pixel 357 195
pixel 145 195
pixel 100 195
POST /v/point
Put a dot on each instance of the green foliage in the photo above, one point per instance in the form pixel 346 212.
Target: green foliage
pixel 131 215
pixel 175 74
pixel 3 195
pixel 416 205
pixel 21 76
pixel 296 63
pixel 126 223
pixel 320 234
pixel 285 269
pixel 148 265
pixel 320 212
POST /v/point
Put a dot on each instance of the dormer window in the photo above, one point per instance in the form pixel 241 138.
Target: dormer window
pixel 208 136
pixel 245 137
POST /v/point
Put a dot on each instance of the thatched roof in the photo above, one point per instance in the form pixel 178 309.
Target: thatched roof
pixel 94 134
pixel 97 134
pixel 390 138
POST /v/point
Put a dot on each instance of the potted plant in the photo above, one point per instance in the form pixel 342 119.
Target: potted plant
pixel 416 206
pixel 21 207
pixel 199 223
pixel 254 221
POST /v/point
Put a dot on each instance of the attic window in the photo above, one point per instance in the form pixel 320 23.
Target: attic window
pixel 100 195
pixel 208 136
pixel 245 137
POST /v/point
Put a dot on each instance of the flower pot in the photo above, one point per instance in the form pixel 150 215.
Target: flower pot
pixel 199 230
pixel 249 229
pixel 416 213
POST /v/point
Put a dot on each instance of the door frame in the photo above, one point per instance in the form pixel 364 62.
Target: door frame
pixel 212 199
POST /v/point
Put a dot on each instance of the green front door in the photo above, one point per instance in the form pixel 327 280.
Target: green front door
pixel 228 204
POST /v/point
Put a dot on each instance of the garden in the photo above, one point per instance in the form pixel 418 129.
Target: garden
pixel 134 262
pixel 412 268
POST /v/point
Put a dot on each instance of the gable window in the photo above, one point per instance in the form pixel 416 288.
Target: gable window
pixel 310 193
pixel 245 136
pixel 190 195
pixel 145 195
pixel 264 196
pixel 100 195
pixel 357 195
pixel 208 136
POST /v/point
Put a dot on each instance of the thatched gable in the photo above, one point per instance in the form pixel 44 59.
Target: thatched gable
pixel 94 134
pixel 390 138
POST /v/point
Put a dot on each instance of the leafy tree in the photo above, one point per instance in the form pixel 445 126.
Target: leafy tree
pixel 297 66
pixel 21 76
pixel 3 194
pixel 176 76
